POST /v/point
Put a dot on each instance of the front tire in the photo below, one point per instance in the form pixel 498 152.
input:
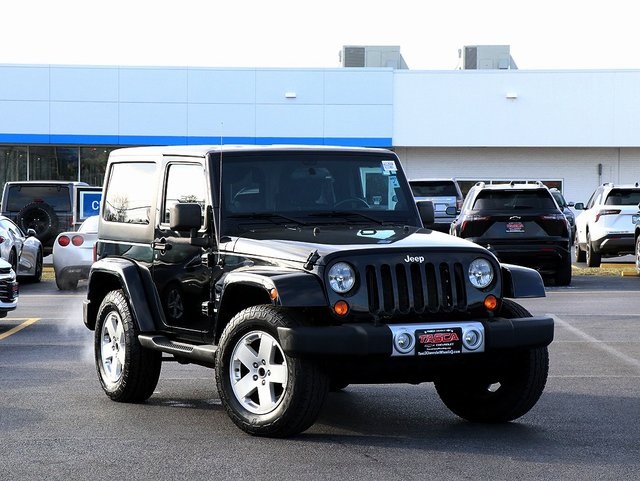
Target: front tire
pixel 264 391
pixel 505 394
pixel 127 371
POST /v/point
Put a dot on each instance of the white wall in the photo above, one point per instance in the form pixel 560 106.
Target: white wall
pixel 470 108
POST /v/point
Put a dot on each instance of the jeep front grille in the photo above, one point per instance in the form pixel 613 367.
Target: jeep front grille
pixel 419 288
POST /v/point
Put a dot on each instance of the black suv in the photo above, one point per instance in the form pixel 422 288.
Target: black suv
pixel 293 271
pixel 521 223
pixel 46 206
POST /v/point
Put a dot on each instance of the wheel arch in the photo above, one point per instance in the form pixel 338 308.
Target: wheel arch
pixel 240 290
pixel 118 273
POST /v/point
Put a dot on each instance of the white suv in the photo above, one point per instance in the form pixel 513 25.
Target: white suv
pixel 604 227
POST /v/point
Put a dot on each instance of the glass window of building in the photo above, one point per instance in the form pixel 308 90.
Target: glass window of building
pixel 53 163
pixel 13 163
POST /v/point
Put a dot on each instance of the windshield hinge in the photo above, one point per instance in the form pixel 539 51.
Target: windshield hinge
pixel 311 260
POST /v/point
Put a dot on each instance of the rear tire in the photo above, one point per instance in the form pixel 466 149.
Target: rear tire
pixel 506 394
pixel 563 275
pixel 264 391
pixel 127 371
pixel 593 258
pixel 66 283
pixel 581 256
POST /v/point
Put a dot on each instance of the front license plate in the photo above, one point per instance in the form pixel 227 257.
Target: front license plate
pixel 444 340
pixel 515 227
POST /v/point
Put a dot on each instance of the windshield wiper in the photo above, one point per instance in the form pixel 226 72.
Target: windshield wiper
pixel 266 216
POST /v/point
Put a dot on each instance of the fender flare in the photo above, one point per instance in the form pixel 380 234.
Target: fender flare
pixel 521 282
pixel 294 289
pixel 136 283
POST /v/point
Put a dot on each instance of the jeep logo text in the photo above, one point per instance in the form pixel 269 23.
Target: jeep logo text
pixel 409 258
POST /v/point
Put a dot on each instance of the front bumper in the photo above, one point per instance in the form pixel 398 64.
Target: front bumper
pixel 370 340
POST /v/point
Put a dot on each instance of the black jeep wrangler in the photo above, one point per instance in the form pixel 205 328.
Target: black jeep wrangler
pixel 293 271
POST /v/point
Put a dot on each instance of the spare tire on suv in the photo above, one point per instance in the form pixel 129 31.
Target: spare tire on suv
pixel 40 217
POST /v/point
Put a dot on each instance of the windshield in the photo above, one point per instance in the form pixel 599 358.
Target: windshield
pixel 311 188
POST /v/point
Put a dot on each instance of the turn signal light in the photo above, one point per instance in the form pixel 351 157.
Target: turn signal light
pixel 490 303
pixel 273 294
pixel 341 308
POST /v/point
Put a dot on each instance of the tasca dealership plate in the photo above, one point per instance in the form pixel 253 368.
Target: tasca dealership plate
pixel 439 341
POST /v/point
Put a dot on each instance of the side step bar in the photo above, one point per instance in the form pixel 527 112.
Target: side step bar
pixel 201 354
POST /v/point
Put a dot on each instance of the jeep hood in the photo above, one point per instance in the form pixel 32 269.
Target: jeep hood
pixel 297 244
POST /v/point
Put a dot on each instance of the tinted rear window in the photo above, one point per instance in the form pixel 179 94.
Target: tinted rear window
pixel 434 188
pixel 513 199
pixel 57 196
pixel 623 197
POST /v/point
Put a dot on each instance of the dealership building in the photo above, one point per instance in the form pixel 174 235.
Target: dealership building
pixel 572 129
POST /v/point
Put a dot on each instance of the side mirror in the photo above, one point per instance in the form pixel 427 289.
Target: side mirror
pixel 571 204
pixel 185 217
pixel 578 206
pixel 425 209
pixel 31 232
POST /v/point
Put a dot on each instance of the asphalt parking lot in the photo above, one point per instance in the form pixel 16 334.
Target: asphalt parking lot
pixel 55 422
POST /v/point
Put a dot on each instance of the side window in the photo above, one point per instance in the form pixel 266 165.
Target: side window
pixel 130 192
pixel 185 183
pixel 594 199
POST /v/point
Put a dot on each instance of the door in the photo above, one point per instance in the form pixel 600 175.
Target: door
pixel 182 280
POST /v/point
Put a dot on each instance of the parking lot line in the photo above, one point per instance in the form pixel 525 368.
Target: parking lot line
pixel 597 343
pixel 19 327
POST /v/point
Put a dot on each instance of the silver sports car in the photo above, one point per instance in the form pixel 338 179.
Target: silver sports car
pixel 23 251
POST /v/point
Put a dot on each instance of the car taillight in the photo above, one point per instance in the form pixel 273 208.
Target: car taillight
pixel 64 241
pixel 459 204
pixel 77 240
pixel 1 239
pixel 95 252
pixel 474 225
pixel 555 224
pixel 607 212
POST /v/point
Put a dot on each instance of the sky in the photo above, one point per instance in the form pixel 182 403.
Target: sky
pixel 542 34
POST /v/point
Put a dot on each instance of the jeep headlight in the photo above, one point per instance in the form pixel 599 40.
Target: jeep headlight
pixel 342 277
pixel 480 273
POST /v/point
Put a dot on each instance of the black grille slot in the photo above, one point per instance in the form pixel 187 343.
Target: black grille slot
pixel 7 293
pixel 418 286
pixel 404 288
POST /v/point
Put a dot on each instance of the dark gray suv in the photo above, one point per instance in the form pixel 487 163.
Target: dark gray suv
pixel 46 206
pixel 443 193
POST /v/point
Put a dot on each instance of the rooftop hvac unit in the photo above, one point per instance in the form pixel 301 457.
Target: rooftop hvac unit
pixel 496 57
pixel 372 56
